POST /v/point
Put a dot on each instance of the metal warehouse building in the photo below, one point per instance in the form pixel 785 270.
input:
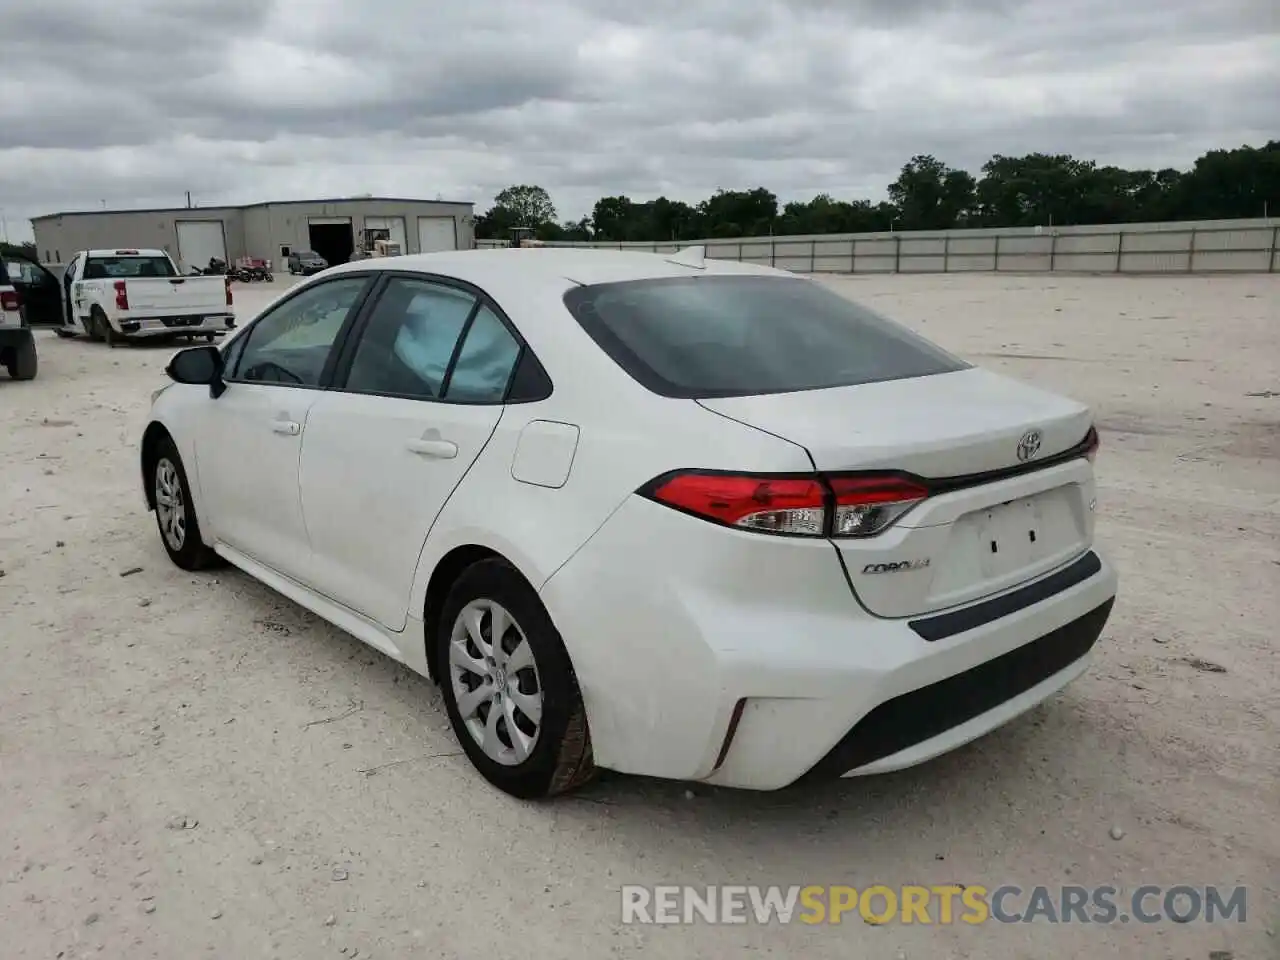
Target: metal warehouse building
pixel 271 231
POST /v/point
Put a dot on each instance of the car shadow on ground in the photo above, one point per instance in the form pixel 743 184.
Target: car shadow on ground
pixel 1022 759
pixel 176 342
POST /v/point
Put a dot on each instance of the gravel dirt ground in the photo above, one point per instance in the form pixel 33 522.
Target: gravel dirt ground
pixel 193 766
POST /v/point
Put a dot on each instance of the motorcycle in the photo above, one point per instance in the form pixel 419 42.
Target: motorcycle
pixel 258 272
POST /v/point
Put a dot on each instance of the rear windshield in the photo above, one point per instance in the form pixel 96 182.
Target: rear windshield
pixel 123 268
pixel 701 337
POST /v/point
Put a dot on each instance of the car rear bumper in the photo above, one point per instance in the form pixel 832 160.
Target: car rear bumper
pixel 705 655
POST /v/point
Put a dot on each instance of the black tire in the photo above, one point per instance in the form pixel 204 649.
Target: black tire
pixel 97 321
pixel 188 551
pixel 560 760
pixel 210 337
pixel 23 362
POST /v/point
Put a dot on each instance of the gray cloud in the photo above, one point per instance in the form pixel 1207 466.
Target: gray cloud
pixel 134 103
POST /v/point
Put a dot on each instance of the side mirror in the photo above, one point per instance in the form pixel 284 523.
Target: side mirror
pixel 199 365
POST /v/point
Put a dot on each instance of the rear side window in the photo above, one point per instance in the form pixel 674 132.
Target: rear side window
pixel 485 362
pixel 125 267
pixel 702 337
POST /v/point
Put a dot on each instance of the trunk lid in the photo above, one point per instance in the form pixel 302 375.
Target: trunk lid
pixel 994 523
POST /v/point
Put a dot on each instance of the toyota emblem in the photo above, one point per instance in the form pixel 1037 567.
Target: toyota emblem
pixel 1029 446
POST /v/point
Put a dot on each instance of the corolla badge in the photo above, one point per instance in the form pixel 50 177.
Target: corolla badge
pixel 898 567
pixel 1029 446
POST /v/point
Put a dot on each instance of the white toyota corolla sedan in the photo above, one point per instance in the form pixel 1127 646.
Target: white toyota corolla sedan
pixel 690 519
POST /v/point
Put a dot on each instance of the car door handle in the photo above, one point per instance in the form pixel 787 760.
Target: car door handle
pixel 290 428
pixel 441 449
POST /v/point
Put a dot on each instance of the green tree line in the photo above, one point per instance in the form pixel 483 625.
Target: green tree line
pixel 1033 190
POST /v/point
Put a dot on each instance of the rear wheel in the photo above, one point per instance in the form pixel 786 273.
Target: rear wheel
pixel 175 511
pixel 509 686
pixel 22 363
pixel 97 325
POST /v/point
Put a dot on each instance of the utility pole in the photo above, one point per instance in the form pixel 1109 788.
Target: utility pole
pixel 188 199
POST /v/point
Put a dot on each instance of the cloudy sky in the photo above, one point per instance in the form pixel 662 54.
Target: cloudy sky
pixel 135 102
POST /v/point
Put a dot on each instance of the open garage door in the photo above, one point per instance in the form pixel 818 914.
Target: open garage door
pixel 395 225
pixel 331 237
pixel 436 234
pixel 198 242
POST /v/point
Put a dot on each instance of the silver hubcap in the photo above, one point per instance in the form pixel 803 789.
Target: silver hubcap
pixel 495 682
pixel 171 509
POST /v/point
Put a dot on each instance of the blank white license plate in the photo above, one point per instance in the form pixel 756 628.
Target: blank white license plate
pixel 1017 535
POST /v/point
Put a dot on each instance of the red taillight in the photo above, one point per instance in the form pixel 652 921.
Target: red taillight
pixel 227 283
pixel 10 301
pixel 122 295
pixel 808 506
pixel 1091 443
pixel 772 504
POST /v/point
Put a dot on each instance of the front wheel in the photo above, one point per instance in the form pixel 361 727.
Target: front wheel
pixel 509 686
pixel 175 512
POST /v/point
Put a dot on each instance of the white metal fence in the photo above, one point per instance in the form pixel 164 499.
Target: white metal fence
pixel 1214 246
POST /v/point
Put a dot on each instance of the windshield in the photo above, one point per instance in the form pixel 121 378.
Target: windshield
pixel 127 267
pixel 718 336
pixel 308 254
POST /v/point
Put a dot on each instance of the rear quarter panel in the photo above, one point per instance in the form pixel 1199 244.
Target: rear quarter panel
pixel 622 444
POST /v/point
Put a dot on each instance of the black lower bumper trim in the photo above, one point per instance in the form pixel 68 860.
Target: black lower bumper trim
pixel 969 618
pixel 925 713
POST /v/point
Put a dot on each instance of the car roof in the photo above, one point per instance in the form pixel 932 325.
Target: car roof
pixel 568 265
pixel 529 285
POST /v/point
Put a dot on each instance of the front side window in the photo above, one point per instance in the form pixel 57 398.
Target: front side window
pixel 407 346
pixel 28 273
pixel 290 344
pixel 729 336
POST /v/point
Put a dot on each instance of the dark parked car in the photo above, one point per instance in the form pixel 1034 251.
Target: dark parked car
pixel 306 262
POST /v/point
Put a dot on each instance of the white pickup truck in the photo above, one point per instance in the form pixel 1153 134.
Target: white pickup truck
pixel 116 295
